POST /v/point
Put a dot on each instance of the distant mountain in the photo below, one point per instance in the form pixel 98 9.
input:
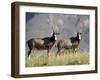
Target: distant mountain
pixel 40 25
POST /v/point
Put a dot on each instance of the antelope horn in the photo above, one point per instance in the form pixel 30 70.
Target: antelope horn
pixel 53 29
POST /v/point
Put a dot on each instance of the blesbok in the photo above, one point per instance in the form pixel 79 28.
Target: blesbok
pixel 69 43
pixel 42 43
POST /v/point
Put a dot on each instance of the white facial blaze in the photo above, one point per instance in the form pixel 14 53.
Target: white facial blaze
pixel 55 37
pixel 79 36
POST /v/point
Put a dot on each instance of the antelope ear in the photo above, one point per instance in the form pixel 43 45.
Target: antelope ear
pixel 58 33
pixel 81 33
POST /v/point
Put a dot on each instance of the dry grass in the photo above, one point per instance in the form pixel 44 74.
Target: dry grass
pixel 53 60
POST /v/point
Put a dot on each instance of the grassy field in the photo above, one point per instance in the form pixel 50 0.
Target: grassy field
pixel 53 60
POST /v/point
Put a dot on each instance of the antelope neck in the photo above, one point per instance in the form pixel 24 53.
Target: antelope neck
pixel 78 37
pixel 53 38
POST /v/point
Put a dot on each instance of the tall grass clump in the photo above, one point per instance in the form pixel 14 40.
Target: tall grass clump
pixel 64 58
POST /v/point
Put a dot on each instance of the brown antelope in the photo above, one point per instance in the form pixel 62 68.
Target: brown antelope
pixel 42 43
pixel 71 43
